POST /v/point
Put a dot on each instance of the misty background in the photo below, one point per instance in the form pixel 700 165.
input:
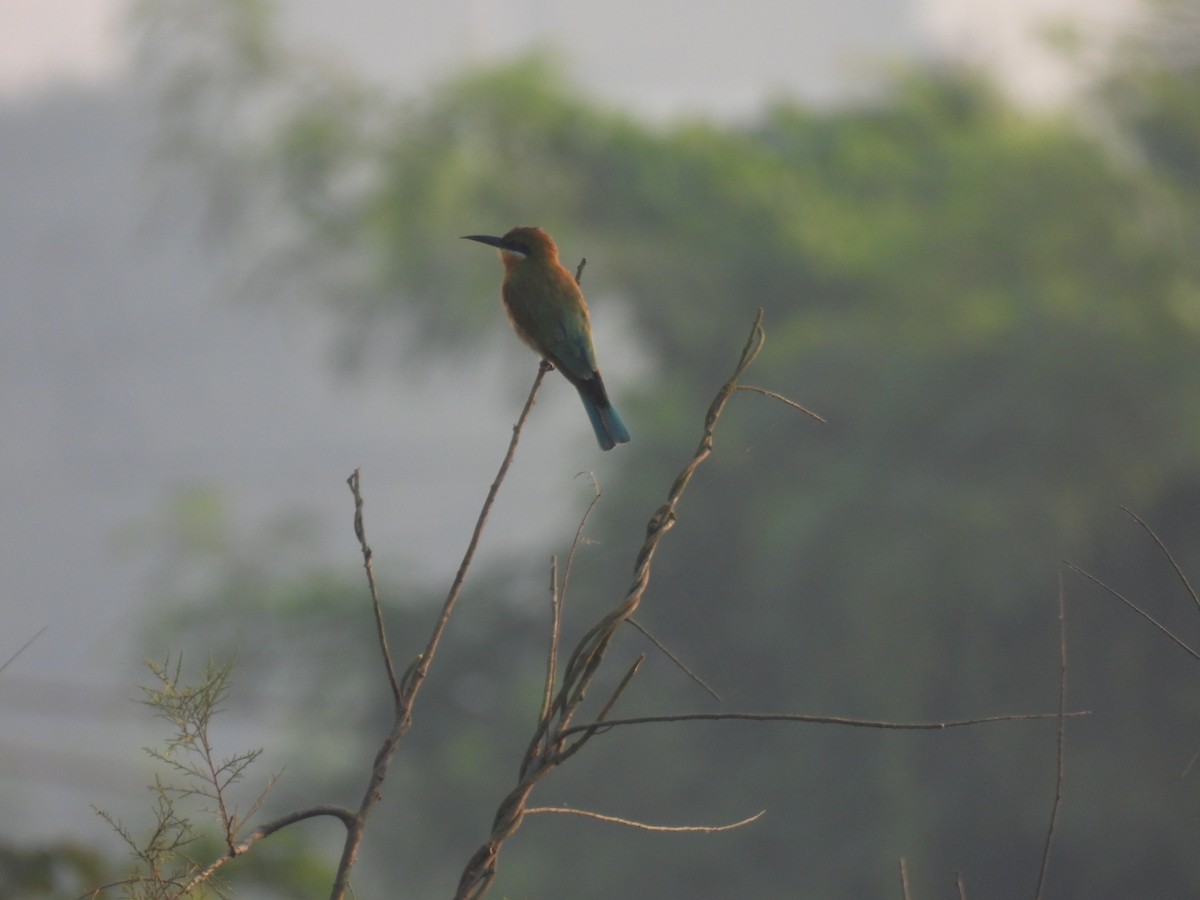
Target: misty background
pixel 180 413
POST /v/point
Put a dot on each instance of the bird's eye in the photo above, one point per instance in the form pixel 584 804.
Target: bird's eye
pixel 519 247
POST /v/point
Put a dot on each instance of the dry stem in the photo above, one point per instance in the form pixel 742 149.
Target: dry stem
pixel 406 689
pixel 550 746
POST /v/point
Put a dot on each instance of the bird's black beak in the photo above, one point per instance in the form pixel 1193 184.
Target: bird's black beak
pixel 485 239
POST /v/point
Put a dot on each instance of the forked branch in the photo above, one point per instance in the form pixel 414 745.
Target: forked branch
pixel 552 741
pixel 406 689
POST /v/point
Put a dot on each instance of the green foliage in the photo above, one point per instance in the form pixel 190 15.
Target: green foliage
pixel 1000 315
pixel 189 752
pixel 163 868
pixel 54 872
pixel 1153 90
pixel 170 859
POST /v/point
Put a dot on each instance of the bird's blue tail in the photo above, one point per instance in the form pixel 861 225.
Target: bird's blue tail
pixel 609 428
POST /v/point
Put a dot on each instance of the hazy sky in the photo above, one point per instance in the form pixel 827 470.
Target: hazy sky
pixel 720 57
pixel 127 375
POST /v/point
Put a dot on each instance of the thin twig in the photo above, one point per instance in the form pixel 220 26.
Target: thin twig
pixel 904 879
pixel 1062 735
pixel 575 542
pixel 1191 762
pixel 546 748
pixel 346 817
pixel 1137 609
pixel 1167 553
pixel 812 720
pixel 24 647
pixel 620 689
pixel 355 483
pixel 417 671
pixel 558 592
pixel 578 538
pixel 414 677
pixel 555 632
pixel 961 885
pixel 570 750
pixel 782 399
pixel 616 820
pixel 679 663
pixel 592 647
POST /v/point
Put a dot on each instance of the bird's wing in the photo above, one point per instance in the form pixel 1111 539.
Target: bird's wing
pixel 570 346
pixel 556 324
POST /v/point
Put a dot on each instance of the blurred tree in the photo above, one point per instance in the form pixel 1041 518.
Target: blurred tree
pixel 998 313
pixel 51 871
pixel 1153 97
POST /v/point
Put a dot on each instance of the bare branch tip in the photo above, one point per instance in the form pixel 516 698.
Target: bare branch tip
pixel 645 826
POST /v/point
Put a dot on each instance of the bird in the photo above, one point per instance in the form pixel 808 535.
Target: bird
pixel 546 309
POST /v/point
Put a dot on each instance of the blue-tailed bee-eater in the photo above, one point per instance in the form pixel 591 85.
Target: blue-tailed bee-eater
pixel 548 312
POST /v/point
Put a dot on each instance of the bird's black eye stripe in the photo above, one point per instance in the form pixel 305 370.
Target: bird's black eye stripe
pixel 518 247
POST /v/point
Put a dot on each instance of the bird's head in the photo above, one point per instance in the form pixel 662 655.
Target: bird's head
pixel 522 242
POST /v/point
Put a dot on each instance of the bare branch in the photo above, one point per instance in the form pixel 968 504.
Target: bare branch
pixel 612 701
pixel 346 817
pixel 546 748
pixel 620 689
pixel 1137 609
pixel 420 667
pixel 558 593
pixel 578 538
pixel 595 642
pixel 782 399
pixel 679 663
pixel 904 879
pixel 409 686
pixel 555 635
pixel 813 720
pixel 1167 553
pixel 707 829
pixel 24 647
pixel 1191 762
pixel 360 532
pixel 1062 735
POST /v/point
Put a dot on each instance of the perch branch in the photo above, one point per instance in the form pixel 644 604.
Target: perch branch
pixel 549 745
pixel 405 691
